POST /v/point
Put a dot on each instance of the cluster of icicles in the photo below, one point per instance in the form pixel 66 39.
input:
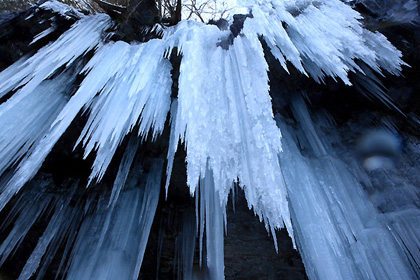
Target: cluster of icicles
pixel 222 114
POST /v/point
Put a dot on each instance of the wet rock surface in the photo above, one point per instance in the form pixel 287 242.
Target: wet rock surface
pixel 249 249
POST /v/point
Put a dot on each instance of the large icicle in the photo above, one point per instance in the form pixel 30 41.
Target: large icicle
pixel 136 91
pixel 213 211
pixel 123 229
pixel 25 121
pixel 124 168
pixel 224 116
pixel 30 73
pixel 321 38
pixel 339 233
pixel 84 35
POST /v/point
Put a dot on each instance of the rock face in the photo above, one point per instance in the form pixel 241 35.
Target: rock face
pixel 249 250
pixel 17 32
pixel 138 18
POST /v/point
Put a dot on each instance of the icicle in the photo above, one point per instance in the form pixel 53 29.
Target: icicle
pixel 214 213
pixel 22 132
pixel 30 212
pixel 43 34
pixel 185 247
pixel 224 116
pixel 50 240
pixel 177 259
pixel 34 260
pixel 124 168
pixel 188 244
pixel 136 91
pixel 147 214
pixel 173 144
pixel 30 73
pixel 339 232
pixel 201 196
pixel 161 237
pixel 370 86
pixel 84 35
pixel 310 132
pixel 126 233
pixel 71 235
pixel 315 37
pixel 139 71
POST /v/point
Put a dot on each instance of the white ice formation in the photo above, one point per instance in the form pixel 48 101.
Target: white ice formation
pixel 223 115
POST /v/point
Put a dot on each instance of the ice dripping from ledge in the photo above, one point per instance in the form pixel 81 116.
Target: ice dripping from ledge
pixel 27 74
pixel 224 116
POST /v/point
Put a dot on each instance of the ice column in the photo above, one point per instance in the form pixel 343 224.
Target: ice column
pixel 223 114
pixel 213 213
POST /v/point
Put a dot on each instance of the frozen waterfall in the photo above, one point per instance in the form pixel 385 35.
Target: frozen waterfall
pixel 294 170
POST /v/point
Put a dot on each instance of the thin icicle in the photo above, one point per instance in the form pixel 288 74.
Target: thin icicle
pixel 147 214
pixel 30 212
pixel 43 34
pixel 60 219
pixel 173 145
pixel 214 213
pixel 124 168
pixel 188 244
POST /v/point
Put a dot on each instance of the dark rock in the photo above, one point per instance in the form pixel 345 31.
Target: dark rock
pixel 250 251
pixel 18 29
pixel 137 21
